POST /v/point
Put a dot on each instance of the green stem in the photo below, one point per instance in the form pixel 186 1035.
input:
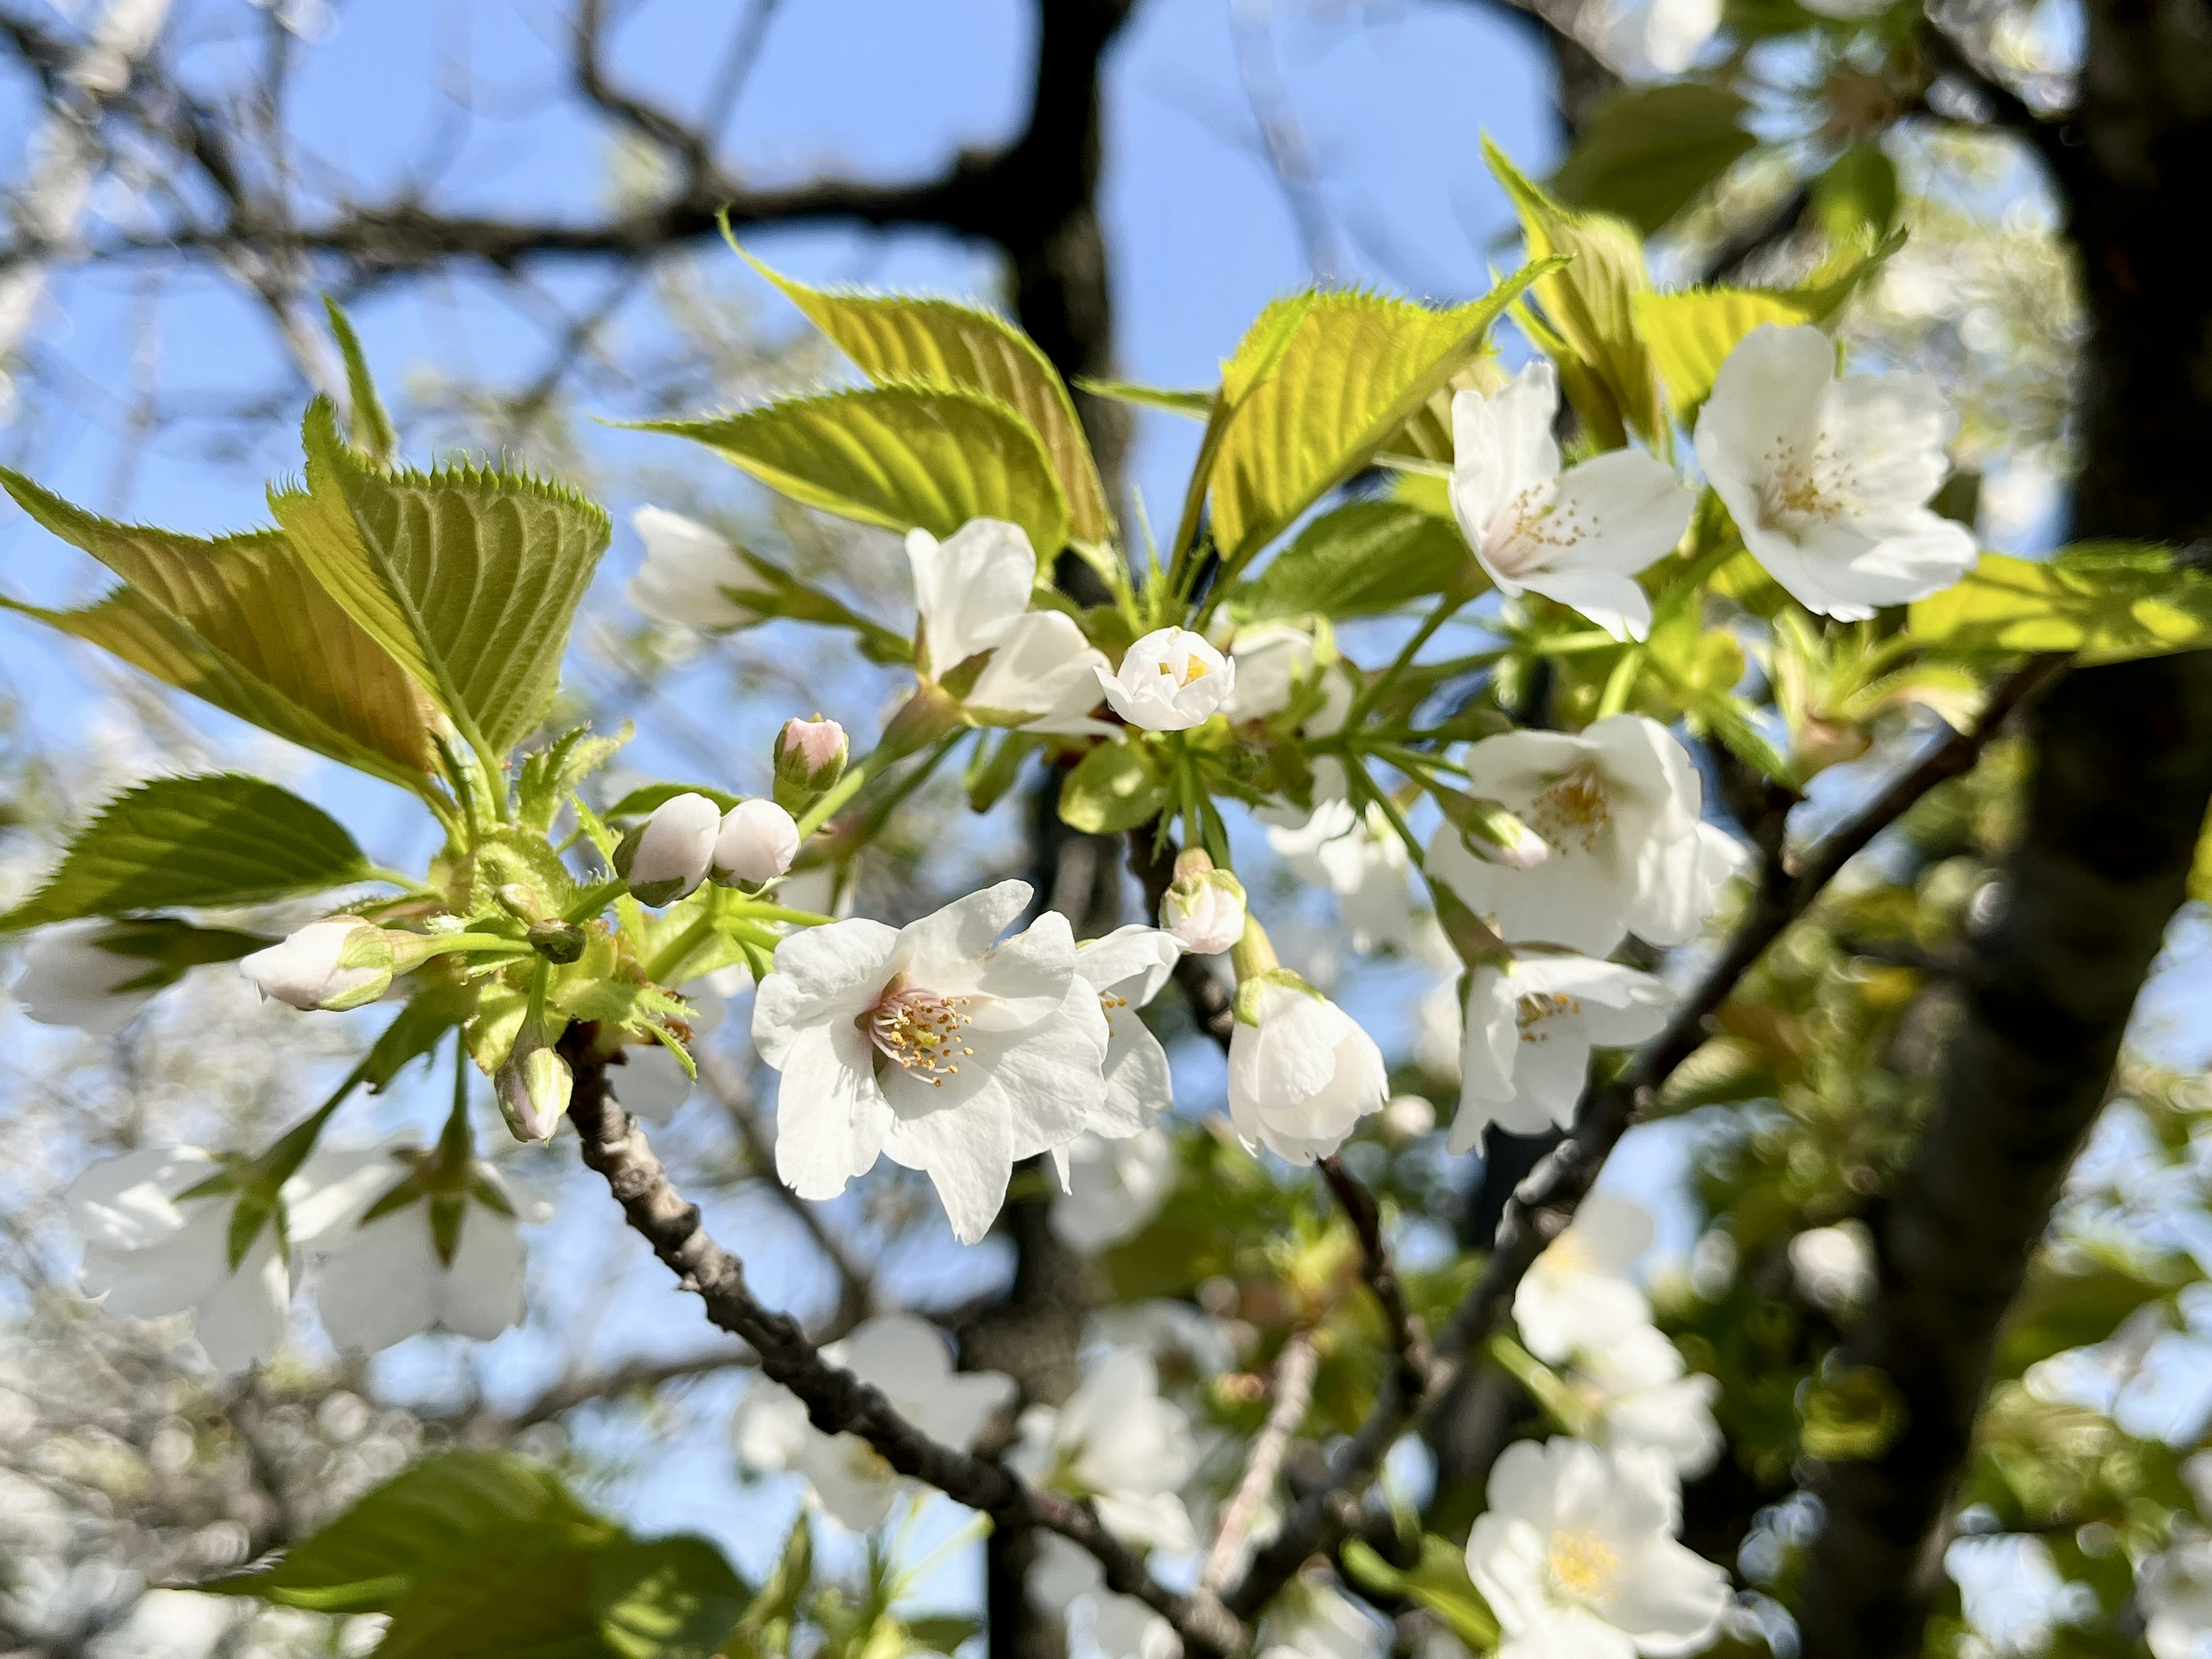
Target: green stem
pixel 785 913
pixel 1446 607
pixel 1365 785
pixel 673 955
pixel 1569 645
pixel 856 775
pixel 1620 683
pixel 454 1147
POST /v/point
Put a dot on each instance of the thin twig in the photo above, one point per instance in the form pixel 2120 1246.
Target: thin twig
pixel 1293 1390
pixel 1409 1338
pixel 1545 1204
pixel 836 1400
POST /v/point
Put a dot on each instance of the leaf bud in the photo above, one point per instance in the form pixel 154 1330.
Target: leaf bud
pixel 668 855
pixel 1205 907
pixel 533 1085
pixel 556 940
pixel 1492 833
pixel 337 963
pixel 757 844
pixel 810 758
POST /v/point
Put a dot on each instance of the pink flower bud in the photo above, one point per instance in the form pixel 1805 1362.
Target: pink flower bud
pixel 810 756
pixel 1204 911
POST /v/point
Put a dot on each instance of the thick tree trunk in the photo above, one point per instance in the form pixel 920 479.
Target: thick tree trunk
pixel 2124 771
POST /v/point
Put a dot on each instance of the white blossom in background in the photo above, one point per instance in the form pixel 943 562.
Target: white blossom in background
pixel 1126 970
pixel 1113 1189
pixel 973 592
pixel 1358 857
pixel 1617 805
pixel 1578 536
pixel 69 979
pixel 2174 1589
pixel 1531 1024
pixel 1828 479
pixel 1638 1393
pixel 1314 1620
pixel 1834 1266
pixel 906 1359
pixel 1120 1445
pixel 1302 1072
pixel 691 577
pixel 1170 680
pixel 1578 1295
pixel 383 1273
pixel 1271 660
pixel 310 970
pixel 1576 1555
pixel 651 1082
pixel 936 1045
pixel 1067 1581
pixel 152 1248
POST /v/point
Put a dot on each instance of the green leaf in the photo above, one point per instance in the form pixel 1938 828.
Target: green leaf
pixel 642 800
pixel 1196 406
pixel 1321 393
pixel 1650 151
pixel 1111 789
pixel 1690 333
pixel 995 766
pixel 198 842
pixel 904 456
pixel 432 1011
pixel 942 1632
pixel 372 432
pixel 669 1598
pixel 1591 302
pixel 1440 1583
pixel 550 775
pixel 899 338
pixel 413 1525
pixel 1856 199
pixel 470 578
pixel 2103 601
pixel 1365 557
pixel 516 1597
pixel 239 622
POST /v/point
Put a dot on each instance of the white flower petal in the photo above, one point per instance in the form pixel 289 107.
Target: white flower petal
pixel 968 587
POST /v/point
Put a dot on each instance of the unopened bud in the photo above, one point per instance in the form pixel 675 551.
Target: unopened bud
pixel 668 855
pixel 1492 833
pixel 757 843
pixel 1204 909
pixel 533 1085
pixel 339 963
pixel 810 756
pixel 557 941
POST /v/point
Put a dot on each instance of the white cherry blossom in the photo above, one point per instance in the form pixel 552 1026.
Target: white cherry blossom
pixel 339 963
pixel 1205 910
pixel 1833 1267
pixel 1578 1296
pixel 2174 1588
pixel 1638 1393
pixel 934 1044
pixel 1828 479
pixel 1170 680
pixel 1126 970
pixel 973 592
pixel 69 978
pixel 1531 1024
pixel 756 843
pixel 1576 1554
pixel 691 577
pixel 1314 1620
pixel 1302 1072
pixel 1577 536
pixel 1118 1444
pixel 667 856
pixel 906 1359
pixel 1617 805
pixel 1067 1581
pixel 1114 1187
pixel 1358 857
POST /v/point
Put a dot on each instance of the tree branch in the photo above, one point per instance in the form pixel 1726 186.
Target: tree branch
pixel 837 1401
pixel 1293 1389
pixel 1545 1204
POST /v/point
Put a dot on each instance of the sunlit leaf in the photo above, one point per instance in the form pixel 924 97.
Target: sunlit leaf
pixel 2103 601
pixel 1365 556
pixel 1650 151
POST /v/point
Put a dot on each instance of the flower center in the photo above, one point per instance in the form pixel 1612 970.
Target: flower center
pixel 1539 1009
pixel 1531 529
pixel 1192 669
pixel 919 1030
pixel 1108 1002
pixel 1582 1563
pixel 1572 812
pixel 1803 490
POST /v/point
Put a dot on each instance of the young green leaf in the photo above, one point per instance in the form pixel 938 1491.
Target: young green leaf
pixel 1344 379
pixel 2103 601
pixel 1365 557
pixel 1110 790
pixel 901 339
pixel 470 578
pixel 666 1598
pixel 1690 333
pixel 408 1529
pixel 904 457
pixel 214 840
pixel 550 775
pixel 1193 405
pixel 1591 302
pixel 239 622
pixel 373 432
pixel 504 1598
pixel 1651 151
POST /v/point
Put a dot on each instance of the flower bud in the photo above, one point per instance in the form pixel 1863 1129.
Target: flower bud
pixel 556 940
pixel 668 855
pixel 341 962
pixel 533 1085
pixel 1171 680
pixel 1491 832
pixel 810 756
pixel 757 843
pixel 1204 909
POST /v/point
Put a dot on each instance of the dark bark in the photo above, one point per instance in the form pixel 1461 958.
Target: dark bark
pixel 2124 772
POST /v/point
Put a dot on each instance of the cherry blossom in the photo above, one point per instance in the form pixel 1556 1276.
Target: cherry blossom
pixel 1302 1072
pixel 1114 1187
pixel 1578 536
pixel 340 962
pixel 973 592
pixel 934 1044
pixel 1828 479
pixel 70 977
pixel 1126 970
pixel 2174 1588
pixel 1358 857
pixel 1117 1443
pixel 1578 1296
pixel 1531 1024
pixel 691 577
pixel 1638 1392
pixel 1168 681
pixel 757 842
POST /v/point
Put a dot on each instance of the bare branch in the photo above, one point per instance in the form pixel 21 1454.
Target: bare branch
pixel 1293 1390
pixel 1409 1339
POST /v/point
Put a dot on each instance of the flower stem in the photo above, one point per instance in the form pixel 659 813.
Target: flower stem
pixel 1448 606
